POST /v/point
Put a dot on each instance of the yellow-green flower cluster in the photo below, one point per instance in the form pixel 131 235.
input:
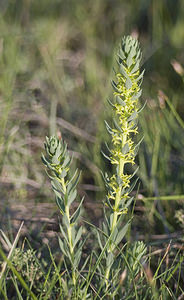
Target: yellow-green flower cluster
pixel 125 105
pixel 123 151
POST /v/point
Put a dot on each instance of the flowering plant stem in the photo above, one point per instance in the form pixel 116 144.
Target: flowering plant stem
pixel 118 194
pixel 123 151
pixel 69 232
pixel 57 161
pixel 119 186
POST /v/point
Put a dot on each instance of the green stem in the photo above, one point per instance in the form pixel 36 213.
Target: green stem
pixel 117 201
pixel 118 194
pixel 126 92
pixel 69 232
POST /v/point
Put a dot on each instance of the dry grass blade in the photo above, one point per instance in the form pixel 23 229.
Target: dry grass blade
pixel 77 131
pixel 11 250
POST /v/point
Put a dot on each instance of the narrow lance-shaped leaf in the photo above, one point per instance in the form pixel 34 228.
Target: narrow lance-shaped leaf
pixel 76 214
pixel 72 196
pixel 128 83
pixel 115 86
pixel 72 186
pixel 121 233
pixel 78 236
pixel 106 156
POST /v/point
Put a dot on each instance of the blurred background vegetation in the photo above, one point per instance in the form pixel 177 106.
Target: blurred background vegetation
pixel 56 63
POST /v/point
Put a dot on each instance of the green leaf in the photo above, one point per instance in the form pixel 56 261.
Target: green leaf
pixel 44 160
pixel 140 81
pixel 128 83
pixel 76 214
pixel 136 96
pixel 135 68
pixel 55 160
pixel 120 101
pixel 105 227
pixel 105 177
pixel 64 234
pixel 74 175
pixel 133 124
pixel 123 71
pixel 60 204
pixel 142 107
pixel 134 173
pixel 61 244
pixel 128 202
pixel 73 185
pixel 79 233
pixel 111 219
pixel 106 156
pixel 130 189
pixel 127 47
pixel 140 76
pixel 114 234
pixel 66 161
pixel 133 116
pixel 58 194
pixel 138 55
pixel 137 146
pixel 129 60
pixel 99 240
pixel 71 197
pixel 122 233
pixel 64 149
pixel 114 85
pixel 56 185
pixel 133 51
pixel 63 174
pixel 109 203
pixel 109 101
pixel 6 239
pixel 51 177
pixel 117 126
pixel 109 129
pixel 77 258
pixel 123 192
pixel 58 150
pixel 125 149
pixel 108 148
pixel 53 145
pixel 47 140
pixel 124 205
pixel 121 54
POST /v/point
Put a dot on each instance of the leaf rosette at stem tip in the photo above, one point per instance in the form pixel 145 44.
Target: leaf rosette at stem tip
pixel 57 159
pixel 57 162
